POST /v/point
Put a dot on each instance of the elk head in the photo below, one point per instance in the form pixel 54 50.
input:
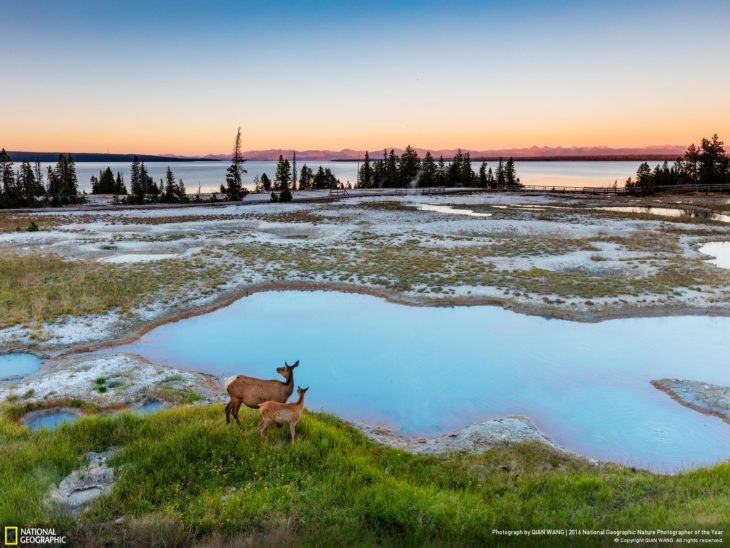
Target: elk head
pixel 286 370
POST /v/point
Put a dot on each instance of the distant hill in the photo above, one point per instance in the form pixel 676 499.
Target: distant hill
pixel 659 152
pixel 20 156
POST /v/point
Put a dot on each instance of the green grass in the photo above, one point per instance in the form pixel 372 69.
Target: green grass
pixel 184 476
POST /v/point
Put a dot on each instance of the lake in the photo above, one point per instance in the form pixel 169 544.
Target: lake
pixel 210 175
pixel 430 370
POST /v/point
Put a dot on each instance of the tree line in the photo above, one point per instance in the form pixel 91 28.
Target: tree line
pixel 143 188
pixel 26 187
pixel 408 169
pixel 704 165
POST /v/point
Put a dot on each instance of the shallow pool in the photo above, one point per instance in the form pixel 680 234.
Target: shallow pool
pixel 12 365
pixel 670 212
pixel 430 370
pixel 51 420
pixel 719 251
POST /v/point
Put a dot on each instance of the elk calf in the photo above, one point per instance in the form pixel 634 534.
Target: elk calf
pixel 273 411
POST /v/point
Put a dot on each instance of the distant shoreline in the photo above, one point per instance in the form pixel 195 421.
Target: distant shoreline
pixel 23 156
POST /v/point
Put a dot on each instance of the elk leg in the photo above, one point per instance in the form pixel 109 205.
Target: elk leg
pixel 236 409
pixel 228 413
pixel 293 430
pixel 262 428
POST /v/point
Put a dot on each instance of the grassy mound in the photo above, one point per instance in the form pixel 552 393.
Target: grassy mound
pixel 186 477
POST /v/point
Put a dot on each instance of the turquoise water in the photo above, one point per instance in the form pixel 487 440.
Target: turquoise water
pixel 18 364
pixel 51 421
pixel 150 407
pixel 430 370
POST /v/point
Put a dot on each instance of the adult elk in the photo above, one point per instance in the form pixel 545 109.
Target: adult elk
pixel 253 392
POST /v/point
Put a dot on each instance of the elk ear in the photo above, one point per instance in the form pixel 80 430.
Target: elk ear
pixel 286 364
pixel 295 364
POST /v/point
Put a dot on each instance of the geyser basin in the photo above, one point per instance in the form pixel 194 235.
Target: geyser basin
pixel 13 365
pixel 430 370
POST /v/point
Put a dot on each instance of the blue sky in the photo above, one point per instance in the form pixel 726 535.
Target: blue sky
pixel 180 76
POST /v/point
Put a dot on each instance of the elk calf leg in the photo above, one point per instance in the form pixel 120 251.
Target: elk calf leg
pixel 262 427
pixel 293 430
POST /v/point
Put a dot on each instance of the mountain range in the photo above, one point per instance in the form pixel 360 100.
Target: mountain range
pixel 657 152
pixel 528 153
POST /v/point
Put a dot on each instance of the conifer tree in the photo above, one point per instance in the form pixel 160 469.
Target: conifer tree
pixel 136 185
pixel 265 182
pixel 234 185
pixel 180 193
pixel 7 175
pixel 169 192
pixel 365 177
pixel 305 178
pixel 441 172
pixel 428 171
pixel 119 186
pixel 500 174
pixel 483 175
pixel 283 173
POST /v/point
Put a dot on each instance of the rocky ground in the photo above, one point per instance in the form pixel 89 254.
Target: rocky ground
pixel 110 382
pixel 709 399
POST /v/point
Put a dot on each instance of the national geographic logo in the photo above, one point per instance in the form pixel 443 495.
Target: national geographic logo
pixel 17 536
pixel 11 536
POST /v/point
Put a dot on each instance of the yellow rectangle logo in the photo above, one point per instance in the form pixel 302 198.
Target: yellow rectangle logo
pixel 11 536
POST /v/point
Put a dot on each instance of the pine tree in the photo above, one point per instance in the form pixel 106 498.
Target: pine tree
pixel 408 166
pixel 428 171
pixel 180 193
pixel 500 174
pixel 391 170
pixel 7 175
pixel 365 177
pixel 265 182
pixel 441 172
pixel 713 162
pixel 119 186
pixel 104 184
pixel 71 186
pixel 483 175
pixel 467 173
pixel 234 186
pixel 305 178
pixel 510 175
pixel 283 173
pixel 136 186
pixel 170 186
pixel 491 182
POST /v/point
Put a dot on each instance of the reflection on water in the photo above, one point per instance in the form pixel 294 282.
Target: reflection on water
pixel 12 365
pixel 453 210
pixel 670 212
pixel 434 369
pixel 719 251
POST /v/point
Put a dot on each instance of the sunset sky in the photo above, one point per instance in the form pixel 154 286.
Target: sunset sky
pixel 180 76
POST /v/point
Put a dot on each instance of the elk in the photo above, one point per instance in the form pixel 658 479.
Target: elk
pixel 253 392
pixel 274 411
